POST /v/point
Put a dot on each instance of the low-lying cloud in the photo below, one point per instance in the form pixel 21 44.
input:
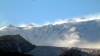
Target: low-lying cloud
pixel 73 38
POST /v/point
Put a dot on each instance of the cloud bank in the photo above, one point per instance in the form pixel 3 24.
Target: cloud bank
pixel 73 39
pixel 77 19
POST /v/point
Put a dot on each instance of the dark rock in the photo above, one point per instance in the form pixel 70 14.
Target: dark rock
pixel 3 53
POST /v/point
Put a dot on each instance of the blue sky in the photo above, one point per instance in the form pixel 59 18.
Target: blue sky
pixel 41 11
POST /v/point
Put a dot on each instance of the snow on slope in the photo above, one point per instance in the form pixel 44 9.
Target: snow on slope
pixel 84 33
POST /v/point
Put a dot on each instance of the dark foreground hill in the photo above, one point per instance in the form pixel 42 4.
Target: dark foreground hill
pixel 14 45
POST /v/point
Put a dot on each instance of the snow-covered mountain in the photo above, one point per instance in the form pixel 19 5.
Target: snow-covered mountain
pixel 73 33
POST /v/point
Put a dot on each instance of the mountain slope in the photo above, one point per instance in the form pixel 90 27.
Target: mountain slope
pixel 79 34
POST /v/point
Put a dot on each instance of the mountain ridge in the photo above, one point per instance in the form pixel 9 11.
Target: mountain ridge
pixel 65 34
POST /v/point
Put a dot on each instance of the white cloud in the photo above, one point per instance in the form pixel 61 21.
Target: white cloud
pixel 78 19
pixel 87 44
pixel 71 39
pixel 67 20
